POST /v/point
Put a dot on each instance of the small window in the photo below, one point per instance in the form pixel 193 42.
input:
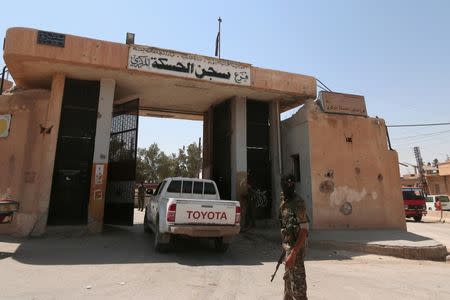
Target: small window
pixel 187 186
pixel 296 167
pixel 443 199
pixel 174 186
pixel 429 199
pixel 437 189
pixel 161 187
pixel 209 189
pixel 198 187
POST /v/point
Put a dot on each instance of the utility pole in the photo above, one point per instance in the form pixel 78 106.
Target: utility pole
pixel 419 160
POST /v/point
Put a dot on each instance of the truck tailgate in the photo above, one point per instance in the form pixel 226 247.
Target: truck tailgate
pixel 211 212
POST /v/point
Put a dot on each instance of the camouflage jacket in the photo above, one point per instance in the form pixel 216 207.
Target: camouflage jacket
pixel 292 218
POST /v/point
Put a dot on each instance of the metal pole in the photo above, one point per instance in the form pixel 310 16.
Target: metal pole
pixel 220 36
pixel 389 140
pixel 3 78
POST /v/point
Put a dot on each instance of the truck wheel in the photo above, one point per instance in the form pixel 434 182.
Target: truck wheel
pixel 220 245
pixel 146 226
pixel 417 218
pixel 158 244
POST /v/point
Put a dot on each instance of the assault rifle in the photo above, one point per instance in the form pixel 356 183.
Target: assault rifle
pixel 280 261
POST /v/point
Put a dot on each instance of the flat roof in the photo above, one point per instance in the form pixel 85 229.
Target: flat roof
pixel 168 83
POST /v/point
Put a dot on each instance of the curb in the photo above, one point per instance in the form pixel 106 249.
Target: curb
pixel 434 253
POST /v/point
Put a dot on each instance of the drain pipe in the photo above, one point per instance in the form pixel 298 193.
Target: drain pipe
pixel 3 79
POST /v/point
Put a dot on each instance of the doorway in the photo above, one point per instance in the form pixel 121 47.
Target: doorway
pixel 120 188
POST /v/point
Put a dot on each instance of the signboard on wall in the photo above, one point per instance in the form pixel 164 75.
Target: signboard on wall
pixel 347 104
pixel 168 62
pixel 5 123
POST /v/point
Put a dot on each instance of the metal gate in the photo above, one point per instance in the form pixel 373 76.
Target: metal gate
pixel 258 156
pixel 119 202
pixel 221 147
pixel 73 161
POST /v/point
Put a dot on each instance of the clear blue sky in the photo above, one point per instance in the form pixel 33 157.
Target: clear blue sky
pixel 395 53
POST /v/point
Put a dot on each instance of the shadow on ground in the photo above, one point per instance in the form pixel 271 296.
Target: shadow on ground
pixel 128 245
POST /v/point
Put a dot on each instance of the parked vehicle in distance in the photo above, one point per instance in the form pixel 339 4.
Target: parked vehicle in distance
pixel 414 203
pixel 443 199
pixel 191 207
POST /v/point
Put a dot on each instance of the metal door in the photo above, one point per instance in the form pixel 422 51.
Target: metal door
pixel 221 173
pixel 258 157
pixel 75 148
pixel 119 202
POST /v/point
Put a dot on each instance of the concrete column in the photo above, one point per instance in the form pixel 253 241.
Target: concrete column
pixel 275 155
pixel 207 143
pixel 100 159
pixel 49 140
pixel 238 107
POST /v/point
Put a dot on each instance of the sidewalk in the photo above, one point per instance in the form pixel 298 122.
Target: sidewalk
pixel 396 243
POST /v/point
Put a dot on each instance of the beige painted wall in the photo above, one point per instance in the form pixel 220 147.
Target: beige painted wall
pixel 20 161
pixel 444 168
pixel 438 184
pixel 349 164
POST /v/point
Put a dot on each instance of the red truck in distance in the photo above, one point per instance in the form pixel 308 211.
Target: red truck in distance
pixel 414 203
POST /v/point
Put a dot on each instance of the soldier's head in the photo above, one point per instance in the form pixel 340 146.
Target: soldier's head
pixel 288 185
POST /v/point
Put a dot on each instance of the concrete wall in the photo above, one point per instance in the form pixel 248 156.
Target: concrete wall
pixel 295 140
pixel 21 153
pixel 100 160
pixel 275 155
pixel 354 180
pixel 438 184
pixel 238 107
pixel 444 168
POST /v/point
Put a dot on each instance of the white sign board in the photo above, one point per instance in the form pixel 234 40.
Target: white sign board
pixel 346 104
pixel 5 123
pixel 162 61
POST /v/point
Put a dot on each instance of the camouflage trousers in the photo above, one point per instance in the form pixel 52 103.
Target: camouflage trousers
pixel 295 282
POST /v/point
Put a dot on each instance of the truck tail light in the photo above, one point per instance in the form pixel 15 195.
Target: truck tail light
pixel 171 212
pixel 238 215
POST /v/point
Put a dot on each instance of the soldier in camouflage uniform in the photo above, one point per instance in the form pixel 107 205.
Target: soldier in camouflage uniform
pixel 294 230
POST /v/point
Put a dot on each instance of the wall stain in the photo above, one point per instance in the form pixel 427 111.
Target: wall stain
pixel 327 186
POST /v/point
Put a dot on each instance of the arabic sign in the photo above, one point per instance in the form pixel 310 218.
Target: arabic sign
pixel 5 122
pixel 157 60
pixel 343 103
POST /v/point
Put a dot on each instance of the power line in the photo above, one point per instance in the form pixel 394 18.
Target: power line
pixel 323 84
pixel 424 135
pixel 418 125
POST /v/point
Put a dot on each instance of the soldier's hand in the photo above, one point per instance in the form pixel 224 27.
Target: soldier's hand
pixel 290 260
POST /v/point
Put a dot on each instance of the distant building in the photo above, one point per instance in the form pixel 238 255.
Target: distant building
pixel 438 179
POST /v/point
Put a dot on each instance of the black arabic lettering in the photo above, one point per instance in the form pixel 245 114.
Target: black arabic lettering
pixel 161 63
pixel 139 61
pixel 240 77
pixel 212 73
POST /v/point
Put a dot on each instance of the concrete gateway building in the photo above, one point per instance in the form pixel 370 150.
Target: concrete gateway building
pixel 68 147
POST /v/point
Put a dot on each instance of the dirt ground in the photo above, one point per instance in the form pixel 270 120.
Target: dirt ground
pixel 121 264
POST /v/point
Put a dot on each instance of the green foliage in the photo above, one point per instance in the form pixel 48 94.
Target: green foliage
pixel 153 165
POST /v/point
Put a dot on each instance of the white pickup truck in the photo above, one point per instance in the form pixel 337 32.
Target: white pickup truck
pixel 191 207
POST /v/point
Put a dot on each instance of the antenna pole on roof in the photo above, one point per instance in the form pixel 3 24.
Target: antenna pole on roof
pixel 218 39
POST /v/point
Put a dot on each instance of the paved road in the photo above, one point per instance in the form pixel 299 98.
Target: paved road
pixel 432 229
pixel 121 264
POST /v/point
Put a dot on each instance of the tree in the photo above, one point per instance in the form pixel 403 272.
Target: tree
pixel 153 165
pixel 435 162
pixel 166 166
pixel 194 160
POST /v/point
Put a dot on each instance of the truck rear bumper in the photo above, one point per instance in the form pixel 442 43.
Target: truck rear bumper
pixel 204 230
pixel 412 213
